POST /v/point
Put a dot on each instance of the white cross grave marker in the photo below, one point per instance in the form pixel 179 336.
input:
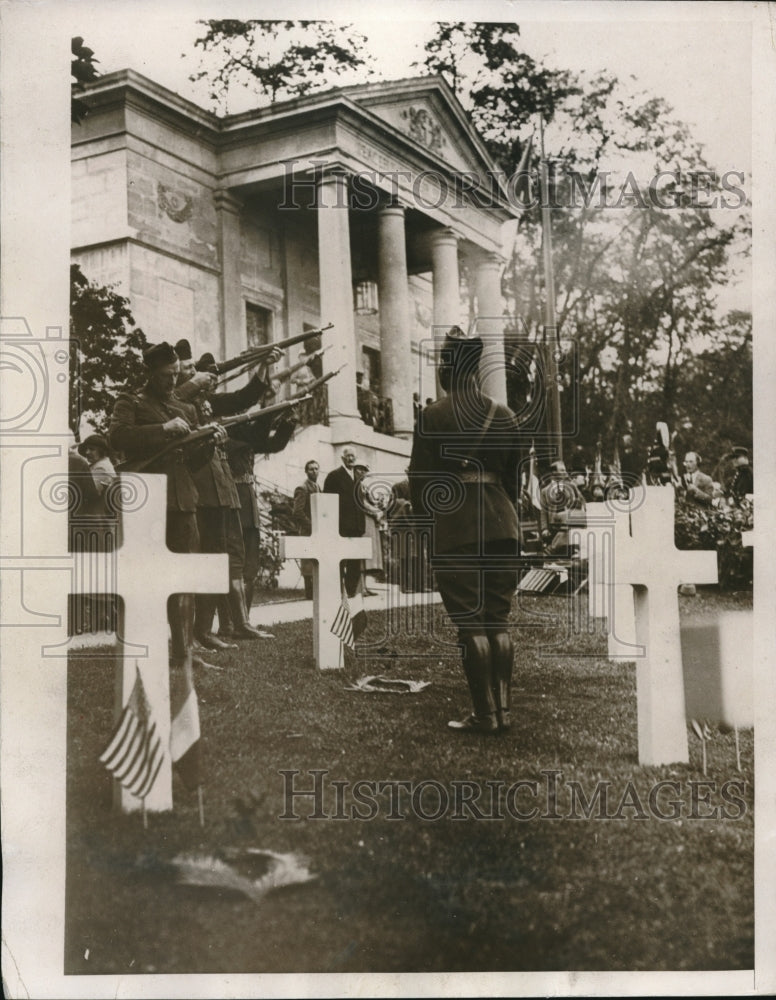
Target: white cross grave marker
pixel 648 560
pixel 605 599
pixel 325 547
pixel 594 543
pixel 146 573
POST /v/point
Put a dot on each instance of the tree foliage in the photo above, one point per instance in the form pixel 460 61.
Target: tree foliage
pixel 277 59
pixel 106 350
pixel 639 251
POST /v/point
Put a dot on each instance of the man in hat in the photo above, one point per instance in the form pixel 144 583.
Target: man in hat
pixel 352 520
pixel 743 478
pixel 466 443
pixel 97 453
pixel 142 425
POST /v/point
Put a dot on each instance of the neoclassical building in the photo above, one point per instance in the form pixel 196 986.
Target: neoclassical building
pixel 375 208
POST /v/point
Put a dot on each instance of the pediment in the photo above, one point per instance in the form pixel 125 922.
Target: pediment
pixel 425 112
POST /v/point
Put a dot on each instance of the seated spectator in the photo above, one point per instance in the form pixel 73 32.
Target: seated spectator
pixel 562 507
pixel 698 487
pixel 97 453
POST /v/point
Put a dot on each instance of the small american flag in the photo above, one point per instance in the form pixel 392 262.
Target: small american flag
pixel 350 620
pixel 134 753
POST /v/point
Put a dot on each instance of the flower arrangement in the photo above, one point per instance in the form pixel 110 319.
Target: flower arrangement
pixel 718 528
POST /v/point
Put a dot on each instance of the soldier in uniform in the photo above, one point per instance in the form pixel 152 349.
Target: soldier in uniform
pixel 263 436
pixel 144 424
pixel 743 479
pixel 218 512
pixel 465 447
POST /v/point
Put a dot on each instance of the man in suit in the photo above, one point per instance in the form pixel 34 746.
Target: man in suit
pixel 142 425
pixel 463 476
pixel 304 525
pixel 352 520
pixel 698 487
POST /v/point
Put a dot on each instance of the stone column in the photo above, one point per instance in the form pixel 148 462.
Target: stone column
pixel 228 209
pixel 490 324
pixel 395 340
pixel 446 286
pixel 336 283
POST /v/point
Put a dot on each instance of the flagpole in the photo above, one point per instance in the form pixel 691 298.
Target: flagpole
pixel 550 323
pixel 201 806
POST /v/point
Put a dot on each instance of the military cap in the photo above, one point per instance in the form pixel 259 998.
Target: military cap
pixel 207 363
pixel 158 355
pixel 183 349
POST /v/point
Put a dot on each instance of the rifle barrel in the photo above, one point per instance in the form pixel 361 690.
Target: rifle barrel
pixel 255 354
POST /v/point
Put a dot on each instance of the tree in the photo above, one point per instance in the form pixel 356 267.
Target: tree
pixel 278 59
pixel 106 350
pixel 637 264
pixel 83 71
pixel 499 85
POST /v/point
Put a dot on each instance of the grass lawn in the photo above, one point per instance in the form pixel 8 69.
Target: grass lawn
pixel 620 890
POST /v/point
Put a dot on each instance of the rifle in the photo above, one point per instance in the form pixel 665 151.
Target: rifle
pixel 254 355
pixel 288 372
pixel 142 464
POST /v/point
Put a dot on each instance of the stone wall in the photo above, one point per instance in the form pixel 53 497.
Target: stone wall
pixel 169 209
pixel 172 299
pixel 98 196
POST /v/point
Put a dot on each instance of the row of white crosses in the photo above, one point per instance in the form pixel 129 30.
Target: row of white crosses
pixel 635 571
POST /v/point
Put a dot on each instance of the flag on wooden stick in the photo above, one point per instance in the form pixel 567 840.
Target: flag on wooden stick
pixel 134 753
pixel 534 492
pixel 350 620
pixel 184 724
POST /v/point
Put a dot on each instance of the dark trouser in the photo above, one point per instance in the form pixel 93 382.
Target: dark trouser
pixel 219 532
pixel 477 593
pixel 351 575
pixel 182 536
pixel 251 538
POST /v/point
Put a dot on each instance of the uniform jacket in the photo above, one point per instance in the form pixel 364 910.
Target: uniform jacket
pixel 743 481
pixel 446 438
pixel 214 481
pixel 352 520
pixel 262 435
pixel 136 430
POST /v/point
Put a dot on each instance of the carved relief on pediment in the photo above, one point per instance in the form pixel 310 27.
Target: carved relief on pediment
pixel 424 128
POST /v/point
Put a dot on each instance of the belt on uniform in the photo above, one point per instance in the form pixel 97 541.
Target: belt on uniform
pixel 478 476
